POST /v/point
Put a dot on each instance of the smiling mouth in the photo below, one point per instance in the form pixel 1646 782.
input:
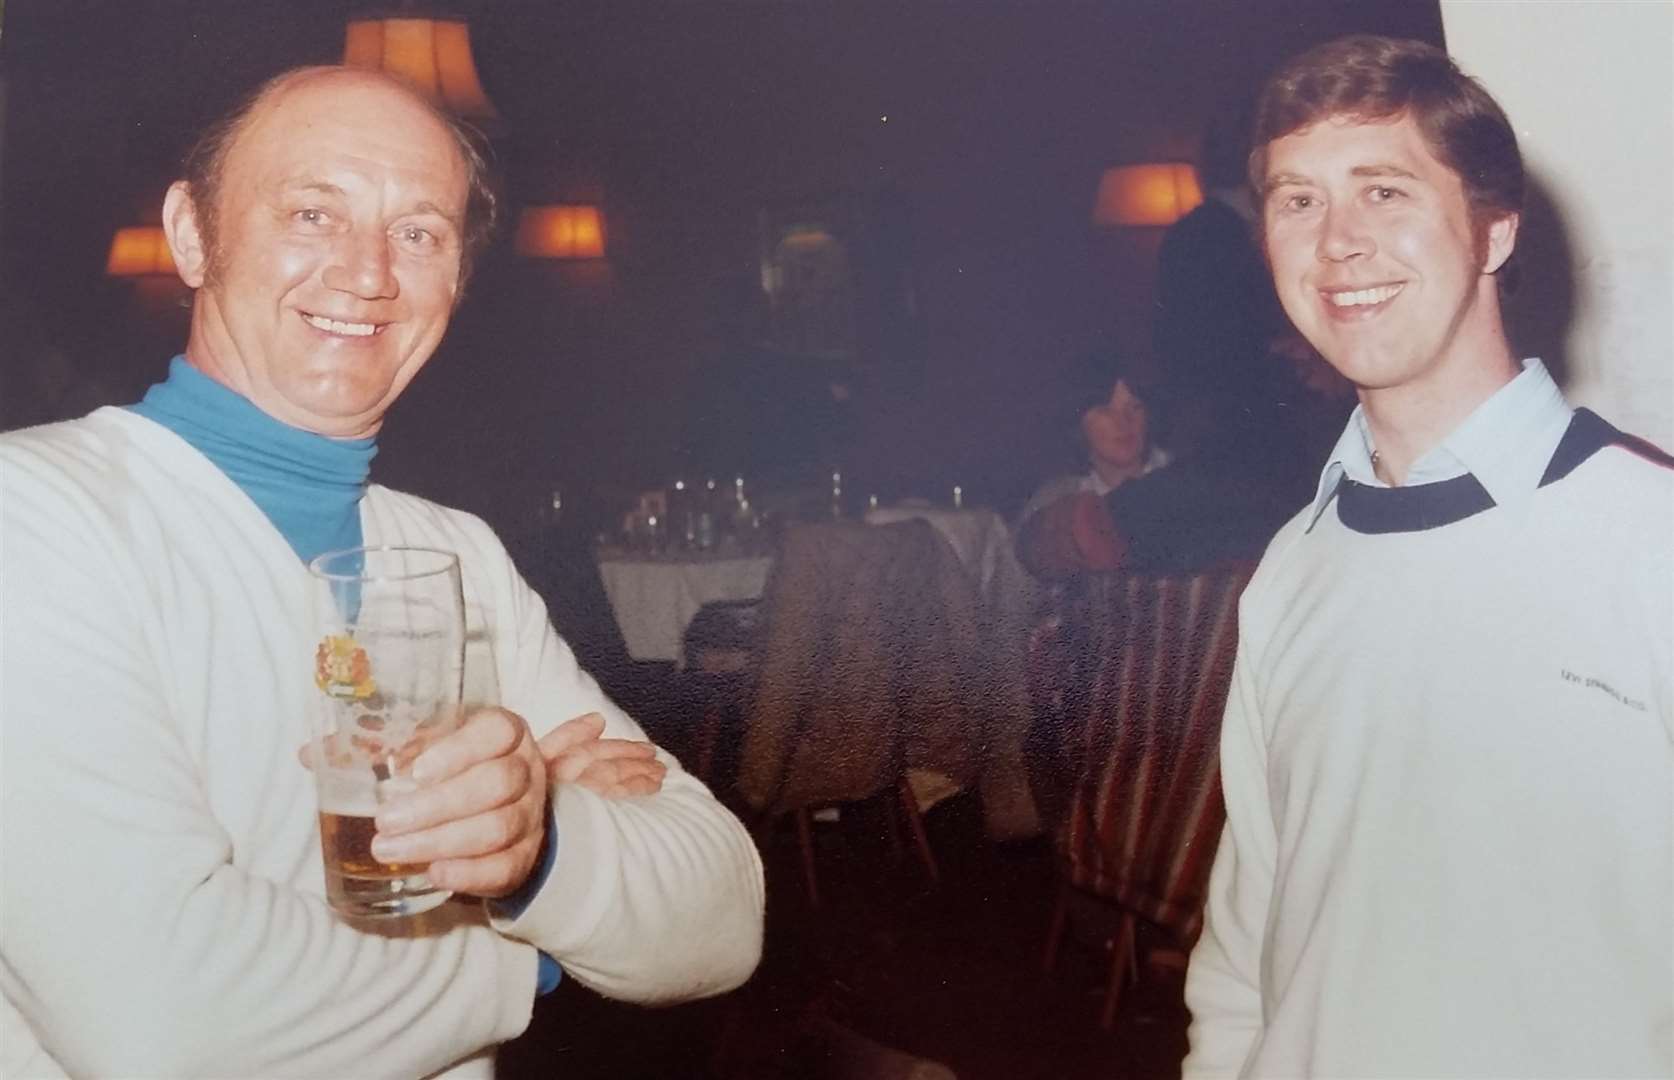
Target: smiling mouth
pixel 1363 298
pixel 342 329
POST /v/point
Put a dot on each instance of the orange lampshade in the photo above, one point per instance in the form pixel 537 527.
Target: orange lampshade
pixel 139 250
pixel 561 232
pixel 1158 194
pixel 433 54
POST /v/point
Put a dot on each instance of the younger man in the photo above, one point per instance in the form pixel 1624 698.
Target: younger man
pixel 1447 754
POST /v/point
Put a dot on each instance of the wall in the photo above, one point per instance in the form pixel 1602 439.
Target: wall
pixel 1589 85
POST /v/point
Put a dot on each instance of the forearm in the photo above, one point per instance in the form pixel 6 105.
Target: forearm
pixel 1071 535
pixel 141 959
pixel 652 899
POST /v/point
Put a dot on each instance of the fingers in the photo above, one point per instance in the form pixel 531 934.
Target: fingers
pixel 569 766
pixel 570 734
pixel 480 814
pixel 481 789
pixel 486 734
pixel 623 777
pixel 486 833
pixel 491 875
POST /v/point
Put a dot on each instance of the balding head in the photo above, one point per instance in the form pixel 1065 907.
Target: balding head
pixel 206 163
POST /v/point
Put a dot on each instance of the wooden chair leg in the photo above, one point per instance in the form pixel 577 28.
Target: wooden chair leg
pixel 909 807
pixel 1121 962
pixel 1055 932
pixel 805 837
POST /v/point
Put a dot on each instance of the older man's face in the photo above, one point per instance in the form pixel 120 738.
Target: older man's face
pixel 337 265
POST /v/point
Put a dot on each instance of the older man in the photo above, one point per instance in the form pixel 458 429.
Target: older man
pixel 162 877
pixel 1446 757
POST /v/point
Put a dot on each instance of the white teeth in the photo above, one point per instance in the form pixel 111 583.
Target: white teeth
pixel 348 329
pixel 1363 296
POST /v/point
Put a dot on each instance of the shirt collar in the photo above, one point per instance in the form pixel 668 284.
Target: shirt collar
pixel 1505 443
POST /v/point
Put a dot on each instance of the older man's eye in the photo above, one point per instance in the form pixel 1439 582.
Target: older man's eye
pixel 311 216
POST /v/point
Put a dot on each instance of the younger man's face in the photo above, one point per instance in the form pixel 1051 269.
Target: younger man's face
pixel 1374 255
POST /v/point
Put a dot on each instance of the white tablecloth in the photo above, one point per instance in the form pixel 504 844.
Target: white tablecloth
pixel 655 597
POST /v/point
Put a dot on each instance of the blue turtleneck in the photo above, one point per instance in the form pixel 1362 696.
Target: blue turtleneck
pixel 308 485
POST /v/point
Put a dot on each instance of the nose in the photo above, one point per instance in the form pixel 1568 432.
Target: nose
pixel 361 265
pixel 1343 235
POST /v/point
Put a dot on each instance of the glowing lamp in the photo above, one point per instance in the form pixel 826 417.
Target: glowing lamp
pixel 433 54
pixel 1157 194
pixel 139 250
pixel 561 232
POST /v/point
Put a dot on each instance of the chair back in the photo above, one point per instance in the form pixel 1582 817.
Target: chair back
pixel 868 663
pixel 1145 809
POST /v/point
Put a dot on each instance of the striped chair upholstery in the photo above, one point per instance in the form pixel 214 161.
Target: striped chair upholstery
pixel 1149 664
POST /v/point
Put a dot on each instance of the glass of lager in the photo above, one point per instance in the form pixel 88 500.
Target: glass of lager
pixel 388 664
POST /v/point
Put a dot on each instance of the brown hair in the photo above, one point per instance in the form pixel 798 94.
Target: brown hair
pixel 1376 78
pixel 206 162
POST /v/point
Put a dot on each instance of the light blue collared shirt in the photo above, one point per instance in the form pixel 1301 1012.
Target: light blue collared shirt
pixel 1505 443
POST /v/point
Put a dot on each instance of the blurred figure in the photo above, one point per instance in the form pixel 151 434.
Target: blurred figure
pixel 1113 428
pixel 1216 310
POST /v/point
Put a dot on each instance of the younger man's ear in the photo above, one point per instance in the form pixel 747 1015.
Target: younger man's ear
pixel 180 227
pixel 1502 240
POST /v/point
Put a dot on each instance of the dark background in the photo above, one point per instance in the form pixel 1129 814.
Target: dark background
pixel 984 282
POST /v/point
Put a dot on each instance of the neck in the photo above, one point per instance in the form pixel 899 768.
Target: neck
pixel 1113 474
pixel 1409 420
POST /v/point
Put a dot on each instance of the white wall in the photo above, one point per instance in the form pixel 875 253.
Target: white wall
pixel 1589 86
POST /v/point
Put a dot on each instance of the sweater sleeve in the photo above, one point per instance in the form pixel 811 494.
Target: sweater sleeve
pixel 652 899
pixel 132 944
pixel 1223 980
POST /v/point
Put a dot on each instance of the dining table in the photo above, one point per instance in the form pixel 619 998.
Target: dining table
pixel 655 594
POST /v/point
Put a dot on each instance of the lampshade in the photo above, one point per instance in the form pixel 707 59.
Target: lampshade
pixel 433 54
pixel 561 232
pixel 1156 194
pixel 139 250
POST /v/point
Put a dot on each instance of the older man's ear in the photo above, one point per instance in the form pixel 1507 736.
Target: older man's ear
pixel 180 226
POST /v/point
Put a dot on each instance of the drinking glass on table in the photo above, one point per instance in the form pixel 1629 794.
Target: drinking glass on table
pixel 389 665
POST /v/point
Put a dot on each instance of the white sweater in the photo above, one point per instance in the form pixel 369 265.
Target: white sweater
pixel 1447 762
pixel 163 893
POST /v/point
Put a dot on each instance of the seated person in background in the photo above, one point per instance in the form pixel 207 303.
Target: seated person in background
pixel 1228 490
pixel 162 880
pixel 1116 432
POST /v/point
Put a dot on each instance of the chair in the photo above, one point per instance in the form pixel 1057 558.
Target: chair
pixel 872 662
pixel 1148 666
pixel 719 647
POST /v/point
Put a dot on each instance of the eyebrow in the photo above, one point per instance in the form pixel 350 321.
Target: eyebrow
pixel 1279 180
pixel 325 187
pixel 428 207
pixel 1383 170
pixel 320 186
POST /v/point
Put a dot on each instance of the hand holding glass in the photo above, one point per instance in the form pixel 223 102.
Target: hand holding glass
pixel 388 665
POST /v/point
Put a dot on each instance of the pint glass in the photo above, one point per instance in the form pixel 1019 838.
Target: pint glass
pixel 388 665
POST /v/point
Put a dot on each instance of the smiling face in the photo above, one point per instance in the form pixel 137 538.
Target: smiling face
pixel 1377 260
pixel 338 252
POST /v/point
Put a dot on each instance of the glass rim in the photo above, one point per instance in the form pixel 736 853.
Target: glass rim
pixel 450 563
